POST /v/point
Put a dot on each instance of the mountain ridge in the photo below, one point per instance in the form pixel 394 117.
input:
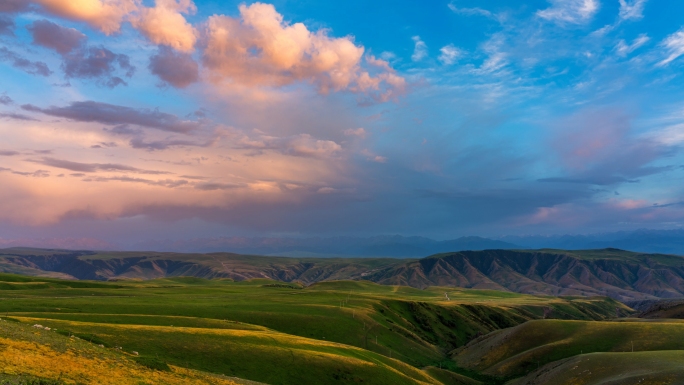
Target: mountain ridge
pixel 621 275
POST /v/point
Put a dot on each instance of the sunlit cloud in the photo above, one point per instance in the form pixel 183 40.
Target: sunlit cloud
pixel 570 11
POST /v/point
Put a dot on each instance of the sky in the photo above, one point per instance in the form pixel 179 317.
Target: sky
pixel 130 120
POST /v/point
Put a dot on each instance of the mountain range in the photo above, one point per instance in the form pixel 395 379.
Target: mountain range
pixel 622 275
pixel 395 246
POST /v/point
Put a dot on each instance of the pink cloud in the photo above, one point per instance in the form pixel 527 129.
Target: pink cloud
pixel 105 15
pixel 260 48
pixel 165 25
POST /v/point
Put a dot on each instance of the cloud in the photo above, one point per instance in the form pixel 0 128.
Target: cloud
pixel 598 147
pixel 674 45
pixel 79 60
pixel 302 145
pixel 170 183
pixel 623 49
pixel 449 54
pixel 359 132
pixel 93 167
pixel 179 70
pixel 6 100
pixel 97 63
pixel 105 15
pixel 13 6
pixel 632 10
pixel 470 11
pixel 48 34
pixel 140 143
pixel 6 26
pixel 111 114
pixel 165 25
pixel 260 49
pixel 8 153
pixel 30 67
pixel 419 49
pixel 213 186
pixel 570 11
pixel 15 116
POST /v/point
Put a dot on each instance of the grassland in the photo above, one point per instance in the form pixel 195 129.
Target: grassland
pixel 28 353
pixel 518 351
pixel 643 368
pixel 267 331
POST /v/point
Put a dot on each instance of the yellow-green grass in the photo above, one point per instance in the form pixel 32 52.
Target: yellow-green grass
pixel 450 378
pixel 31 353
pixel 519 350
pixel 643 368
pixel 353 313
pixel 260 355
pixel 415 326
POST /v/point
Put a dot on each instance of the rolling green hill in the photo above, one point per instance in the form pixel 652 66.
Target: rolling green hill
pixel 519 350
pixel 267 331
pixel 643 368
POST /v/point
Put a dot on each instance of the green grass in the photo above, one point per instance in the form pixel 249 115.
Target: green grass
pixel 518 351
pixel 201 324
pixel 644 368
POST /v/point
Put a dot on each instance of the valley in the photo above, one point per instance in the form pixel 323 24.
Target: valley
pixel 456 318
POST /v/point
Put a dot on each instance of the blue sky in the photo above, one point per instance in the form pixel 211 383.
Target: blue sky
pixel 125 120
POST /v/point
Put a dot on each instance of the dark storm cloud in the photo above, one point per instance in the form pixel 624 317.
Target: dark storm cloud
pixel 19 62
pixel 177 69
pixel 93 167
pixel 6 26
pixel 111 114
pixel 50 35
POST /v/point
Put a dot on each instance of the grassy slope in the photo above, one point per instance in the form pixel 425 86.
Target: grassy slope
pixel 644 368
pixel 33 353
pixel 517 351
pixel 414 326
pixel 260 355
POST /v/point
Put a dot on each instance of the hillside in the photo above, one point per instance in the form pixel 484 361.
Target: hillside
pixel 618 274
pixel 517 351
pixel 644 368
pixel 262 330
pixel 46 357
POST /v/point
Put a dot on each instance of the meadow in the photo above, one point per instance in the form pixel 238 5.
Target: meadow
pixel 277 333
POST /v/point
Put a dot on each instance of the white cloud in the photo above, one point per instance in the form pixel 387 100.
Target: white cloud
pixel 450 54
pixel 633 10
pixel 670 136
pixel 470 11
pixel 570 11
pixel 674 44
pixel 623 49
pixel 420 49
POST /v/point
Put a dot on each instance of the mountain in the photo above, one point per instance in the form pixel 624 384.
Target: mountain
pixel 645 241
pixel 378 246
pixel 615 273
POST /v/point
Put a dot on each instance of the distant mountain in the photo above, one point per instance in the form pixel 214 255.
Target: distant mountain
pixel 618 274
pixel 378 246
pixel 646 241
